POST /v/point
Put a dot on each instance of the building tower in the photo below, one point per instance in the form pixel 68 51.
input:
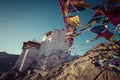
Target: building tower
pixel 28 55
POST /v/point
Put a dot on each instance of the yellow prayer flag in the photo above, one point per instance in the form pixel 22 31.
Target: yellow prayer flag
pixel 81 4
pixel 74 21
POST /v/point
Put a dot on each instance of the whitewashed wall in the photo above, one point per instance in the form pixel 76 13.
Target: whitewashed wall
pixel 51 48
pixel 55 41
pixel 30 59
pixel 27 59
pixel 19 60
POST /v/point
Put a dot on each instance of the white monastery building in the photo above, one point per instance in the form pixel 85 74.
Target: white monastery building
pixel 52 51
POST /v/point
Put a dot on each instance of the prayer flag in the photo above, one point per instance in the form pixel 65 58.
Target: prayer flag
pixel 107 35
pixel 99 12
pixel 93 21
pixel 103 32
pixel 98 29
pixel 73 21
pixel 72 8
pixel 64 7
pixel 114 16
pixel 80 4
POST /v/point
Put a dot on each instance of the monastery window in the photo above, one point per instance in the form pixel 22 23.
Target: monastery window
pixel 49 33
pixel 66 52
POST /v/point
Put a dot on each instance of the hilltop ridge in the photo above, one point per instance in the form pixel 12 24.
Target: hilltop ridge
pixel 102 62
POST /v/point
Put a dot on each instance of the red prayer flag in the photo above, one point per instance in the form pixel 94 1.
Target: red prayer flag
pixel 107 35
pixel 64 7
pixel 98 12
pixel 114 16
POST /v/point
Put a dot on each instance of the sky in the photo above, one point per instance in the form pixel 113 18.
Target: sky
pixel 24 20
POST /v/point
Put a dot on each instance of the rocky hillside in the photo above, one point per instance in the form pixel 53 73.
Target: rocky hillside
pixel 92 66
pixel 100 63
